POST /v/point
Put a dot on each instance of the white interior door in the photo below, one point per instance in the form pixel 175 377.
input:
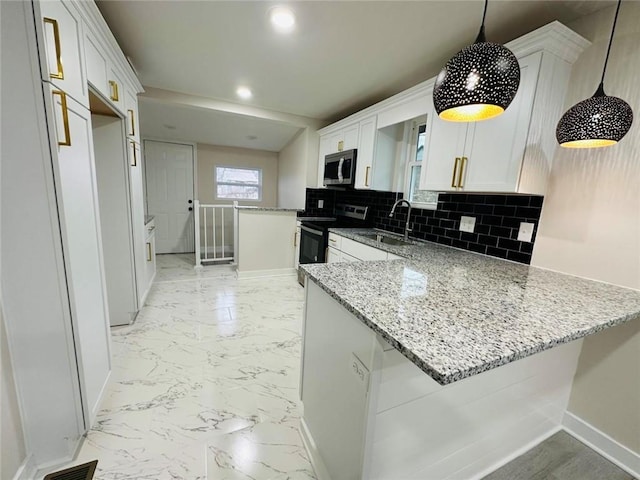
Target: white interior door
pixel 169 174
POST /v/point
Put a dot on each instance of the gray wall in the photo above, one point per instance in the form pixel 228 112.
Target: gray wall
pixel 590 226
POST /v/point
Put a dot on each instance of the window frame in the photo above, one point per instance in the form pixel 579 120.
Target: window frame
pixel 234 167
pixel 412 162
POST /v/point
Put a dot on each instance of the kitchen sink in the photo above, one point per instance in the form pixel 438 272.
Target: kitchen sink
pixel 380 238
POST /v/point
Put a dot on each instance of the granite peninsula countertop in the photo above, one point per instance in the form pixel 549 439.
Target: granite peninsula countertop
pixel 267 209
pixel 455 313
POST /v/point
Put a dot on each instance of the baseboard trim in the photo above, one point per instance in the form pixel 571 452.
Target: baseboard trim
pixel 611 449
pixel 314 456
pixel 281 272
pixel 26 470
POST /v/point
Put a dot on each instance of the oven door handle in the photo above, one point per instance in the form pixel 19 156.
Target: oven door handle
pixel 311 230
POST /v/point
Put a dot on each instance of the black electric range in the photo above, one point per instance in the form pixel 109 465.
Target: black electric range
pixel 314 233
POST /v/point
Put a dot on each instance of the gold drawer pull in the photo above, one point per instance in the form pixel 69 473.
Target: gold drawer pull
pixel 455 169
pixel 114 91
pixel 132 123
pixel 463 165
pixel 65 118
pixel 366 177
pixel 56 37
pixel 340 145
pixel 148 251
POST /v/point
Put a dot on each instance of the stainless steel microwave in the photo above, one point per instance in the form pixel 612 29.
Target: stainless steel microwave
pixel 340 168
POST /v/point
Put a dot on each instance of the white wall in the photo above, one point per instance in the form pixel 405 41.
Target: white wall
pixel 292 172
pixel 209 156
pixel 590 226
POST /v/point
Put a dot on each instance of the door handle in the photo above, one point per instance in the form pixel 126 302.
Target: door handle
pixel 56 39
pixel 455 169
pixel 65 118
pixel 463 164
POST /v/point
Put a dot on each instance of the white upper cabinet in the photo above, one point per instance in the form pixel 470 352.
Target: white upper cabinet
pixel 102 73
pixel 62 62
pixel 483 156
pixel 366 151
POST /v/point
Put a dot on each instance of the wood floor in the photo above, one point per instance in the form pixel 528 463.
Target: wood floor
pixel 560 457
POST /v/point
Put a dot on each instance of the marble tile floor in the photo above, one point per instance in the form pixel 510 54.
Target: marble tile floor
pixel 205 382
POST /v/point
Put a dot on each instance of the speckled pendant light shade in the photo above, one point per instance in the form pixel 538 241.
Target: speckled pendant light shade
pixel 599 121
pixel 477 83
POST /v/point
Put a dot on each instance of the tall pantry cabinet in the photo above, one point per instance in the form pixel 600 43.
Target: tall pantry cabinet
pixel 54 289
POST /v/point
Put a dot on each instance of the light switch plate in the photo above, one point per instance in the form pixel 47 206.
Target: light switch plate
pixel 526 231
pixel 467 224
pixel 320 203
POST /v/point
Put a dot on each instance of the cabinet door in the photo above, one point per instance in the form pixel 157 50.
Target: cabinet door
pixel 132 123
pixel 150 259
pixel 495 148
pixel 350 137
pixel 82 245
pixel 366 150
pixel 97 64
pixel 333 255
pixel 62 49
pixel 137 218
pixel 445 145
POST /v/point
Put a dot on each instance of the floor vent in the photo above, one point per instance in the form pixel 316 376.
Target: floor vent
pixel 79 472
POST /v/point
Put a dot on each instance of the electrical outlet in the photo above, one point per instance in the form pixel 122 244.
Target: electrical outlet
pixel 526 231
pixel 320 203
pixel 467 224
pixel 360 371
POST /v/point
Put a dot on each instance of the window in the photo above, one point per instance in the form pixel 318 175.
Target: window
pixel 424 198
pixel 239 183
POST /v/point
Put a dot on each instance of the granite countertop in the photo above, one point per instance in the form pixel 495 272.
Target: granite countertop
pixel 148 218
pixel 267 209
pixel 455 313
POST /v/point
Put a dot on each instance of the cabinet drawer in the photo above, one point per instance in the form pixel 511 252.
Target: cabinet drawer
pixel 361 251
pixel 335 241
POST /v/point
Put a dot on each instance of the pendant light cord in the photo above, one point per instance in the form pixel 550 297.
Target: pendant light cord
pixel 613 29
pixel 481 37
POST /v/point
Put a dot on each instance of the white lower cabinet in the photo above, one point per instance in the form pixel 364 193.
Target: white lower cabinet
pixel 77 190
pixel 346 250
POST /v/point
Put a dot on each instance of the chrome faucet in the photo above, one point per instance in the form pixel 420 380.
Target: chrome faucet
pixel 393 210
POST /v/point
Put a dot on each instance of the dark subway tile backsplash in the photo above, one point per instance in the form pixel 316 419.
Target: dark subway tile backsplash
pixel 497 217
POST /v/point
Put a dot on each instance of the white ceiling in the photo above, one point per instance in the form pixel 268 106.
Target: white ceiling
pixel 342 57
pixel 177 122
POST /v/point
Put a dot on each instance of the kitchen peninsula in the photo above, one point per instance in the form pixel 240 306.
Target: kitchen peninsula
pixel 440 365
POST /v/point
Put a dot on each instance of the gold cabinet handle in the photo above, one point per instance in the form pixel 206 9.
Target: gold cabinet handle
pixel 463 165
pixel 366 177
pixel 132 123
pixel 114 91
pixel 134 158
pixel 65 118
pixel 56 37
pixel 148 251
pixel 340 145
pixel 295 239
pixel 455 169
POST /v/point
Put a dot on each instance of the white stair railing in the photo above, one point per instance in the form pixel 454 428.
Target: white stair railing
pixel 215 232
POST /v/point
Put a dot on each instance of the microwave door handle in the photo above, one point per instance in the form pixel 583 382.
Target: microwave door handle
pixel 340 175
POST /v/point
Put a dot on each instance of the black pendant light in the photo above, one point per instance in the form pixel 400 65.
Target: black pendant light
pixel 599 121
pixel 477 83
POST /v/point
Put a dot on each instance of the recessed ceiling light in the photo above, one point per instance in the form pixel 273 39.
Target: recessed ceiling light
pixel 244 92
pixel 282 19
